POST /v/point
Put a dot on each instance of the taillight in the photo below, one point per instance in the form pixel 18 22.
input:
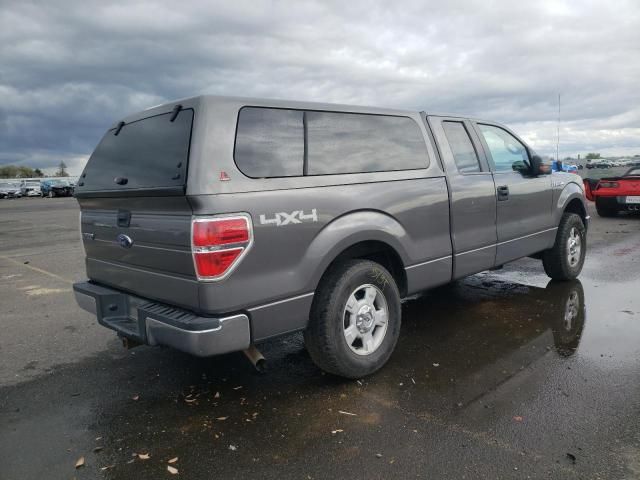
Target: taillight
pixel 608 185
pixel 219 243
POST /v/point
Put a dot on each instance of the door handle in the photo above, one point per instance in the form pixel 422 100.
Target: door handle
pixel 503 192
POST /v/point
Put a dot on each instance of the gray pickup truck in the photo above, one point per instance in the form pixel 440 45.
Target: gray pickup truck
pixel 211 224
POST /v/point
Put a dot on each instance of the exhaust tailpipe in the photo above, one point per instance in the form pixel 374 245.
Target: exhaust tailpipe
pixel 256 358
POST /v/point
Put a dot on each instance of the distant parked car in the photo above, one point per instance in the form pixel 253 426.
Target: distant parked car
pixel 30 188
pixel 615 194
pixel 56 188
pixel 10 190
pixel 602 164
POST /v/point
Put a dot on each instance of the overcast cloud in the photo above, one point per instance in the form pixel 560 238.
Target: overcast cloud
pixel 68 69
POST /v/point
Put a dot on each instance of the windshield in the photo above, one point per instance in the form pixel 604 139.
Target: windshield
pixel 59 183
pixel 9 185
pixel 634 172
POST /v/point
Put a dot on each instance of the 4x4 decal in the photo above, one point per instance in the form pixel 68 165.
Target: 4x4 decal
pixel 283 218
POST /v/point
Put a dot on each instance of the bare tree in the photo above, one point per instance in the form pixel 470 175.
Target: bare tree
pixel 62 170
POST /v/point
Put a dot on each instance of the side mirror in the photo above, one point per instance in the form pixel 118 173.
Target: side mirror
pixel 538 167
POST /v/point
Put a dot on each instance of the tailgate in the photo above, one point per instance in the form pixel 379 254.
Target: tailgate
pixel 135 217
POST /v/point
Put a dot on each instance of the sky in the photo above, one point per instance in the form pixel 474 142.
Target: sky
pixel 69 68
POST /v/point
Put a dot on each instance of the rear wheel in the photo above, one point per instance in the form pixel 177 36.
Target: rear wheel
pixel 355 319
pixel 607 207
pixel 565 259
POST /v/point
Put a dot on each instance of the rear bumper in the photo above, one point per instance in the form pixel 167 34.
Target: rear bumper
pixel 624 202
pixel 152 323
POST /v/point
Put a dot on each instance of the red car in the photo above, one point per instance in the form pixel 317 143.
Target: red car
pixel 615 194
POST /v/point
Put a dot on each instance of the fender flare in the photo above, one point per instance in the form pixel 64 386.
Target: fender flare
pixel 570 192
pixel 346 231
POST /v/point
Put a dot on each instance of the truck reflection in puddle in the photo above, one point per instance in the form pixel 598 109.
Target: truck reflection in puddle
pixel 466 339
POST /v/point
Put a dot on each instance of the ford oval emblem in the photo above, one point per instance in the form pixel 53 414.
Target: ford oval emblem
pixel 124 241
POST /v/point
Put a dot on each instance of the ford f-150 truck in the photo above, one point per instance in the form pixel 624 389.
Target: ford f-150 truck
pixel 211 224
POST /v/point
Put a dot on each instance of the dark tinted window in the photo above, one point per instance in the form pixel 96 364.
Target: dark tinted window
pixel 148 153
pixel 463 152
pixel 270 142
pixel 353 143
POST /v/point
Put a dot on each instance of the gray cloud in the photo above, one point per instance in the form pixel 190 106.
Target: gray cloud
pixel 69 68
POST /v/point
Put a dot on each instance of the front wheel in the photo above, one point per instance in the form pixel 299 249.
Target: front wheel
pixel 565 259
pixel 51 194
pixel 569 317
pixel 355 319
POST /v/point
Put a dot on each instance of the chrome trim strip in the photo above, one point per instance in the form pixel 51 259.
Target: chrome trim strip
pixel 290 299
pixel 493 245
pixel 427 262
pixel 482 248
pixel 527 236
pixel 139 245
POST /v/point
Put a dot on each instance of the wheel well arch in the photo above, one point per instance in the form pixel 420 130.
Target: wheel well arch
pixel 376 251
pixel 576 206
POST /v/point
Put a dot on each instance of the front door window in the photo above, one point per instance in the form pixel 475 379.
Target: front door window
pixel 507 153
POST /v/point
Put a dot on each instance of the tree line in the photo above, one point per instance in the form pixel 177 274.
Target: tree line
pixel 15 171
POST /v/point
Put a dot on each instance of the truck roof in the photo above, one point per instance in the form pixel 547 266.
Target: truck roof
pixel 210 101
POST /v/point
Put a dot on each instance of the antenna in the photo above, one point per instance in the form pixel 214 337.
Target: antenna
pixel 558 133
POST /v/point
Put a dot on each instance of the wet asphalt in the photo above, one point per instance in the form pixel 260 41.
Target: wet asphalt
pixel 502 375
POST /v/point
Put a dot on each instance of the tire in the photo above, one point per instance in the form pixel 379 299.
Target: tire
pixel 568 316
pixel 607 207
pixel 565 259
pixel 52 194
pixel 351 286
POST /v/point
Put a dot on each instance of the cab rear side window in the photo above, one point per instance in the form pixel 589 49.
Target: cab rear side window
pixel 464 154
pixel 282 143
pixel 270 142
pixel 355 143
